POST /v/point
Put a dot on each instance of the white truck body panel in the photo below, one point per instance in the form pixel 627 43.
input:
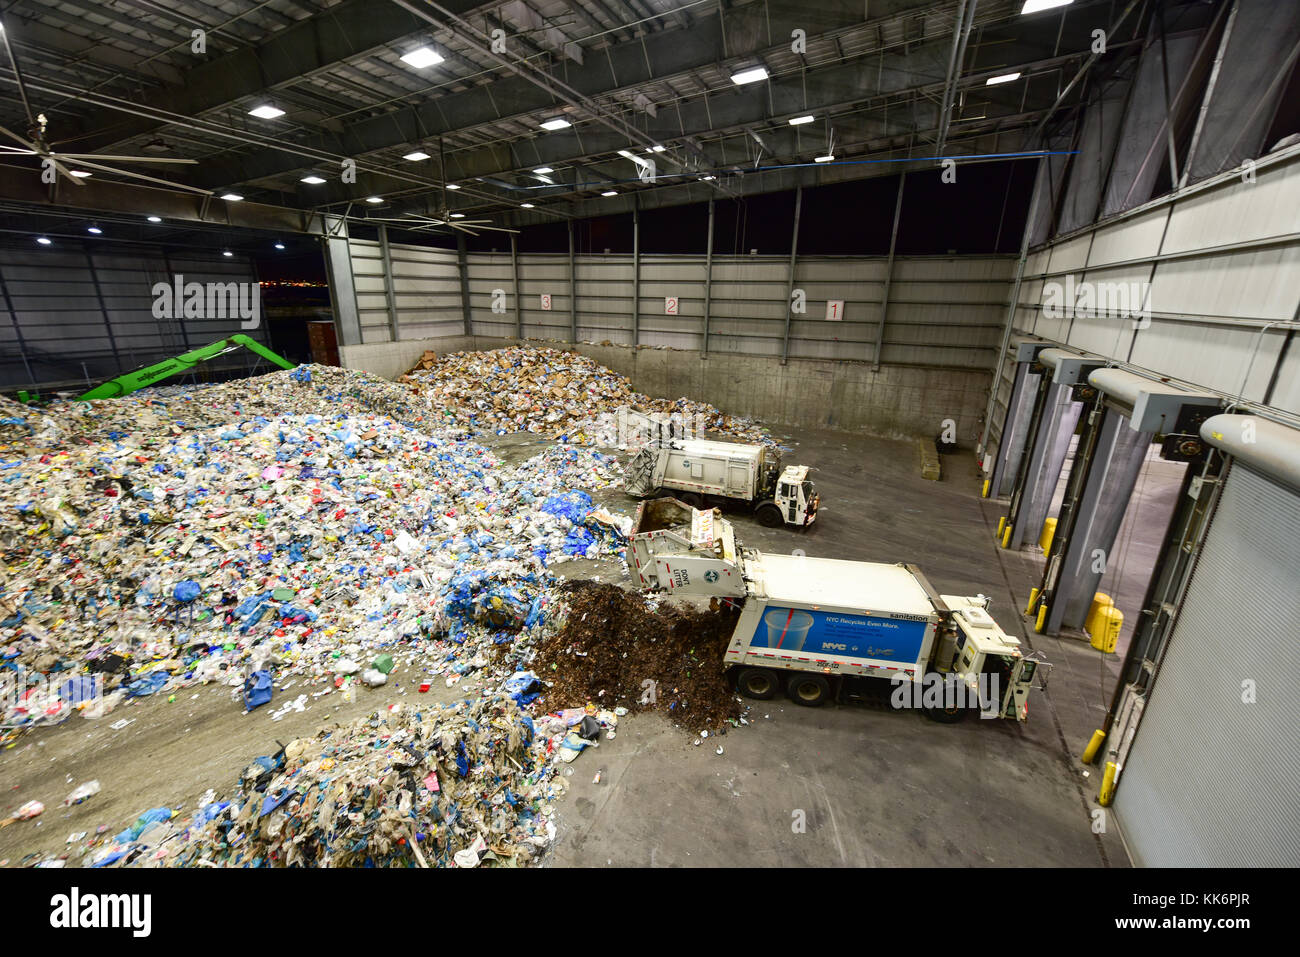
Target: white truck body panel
pixel 710 468
pixel 834 617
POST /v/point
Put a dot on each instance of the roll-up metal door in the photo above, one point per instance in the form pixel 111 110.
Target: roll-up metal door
pixel 1210 780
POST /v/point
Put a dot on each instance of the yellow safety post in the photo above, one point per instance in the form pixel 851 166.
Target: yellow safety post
pixel 1046 535
pixel 1107 784
pixel 1002 524
pixel 1106 636
pixel 1100 602
pixel 1033 597
pixel 1042 619
pixel 1006 537
pixel 1090 752
pixel 985 493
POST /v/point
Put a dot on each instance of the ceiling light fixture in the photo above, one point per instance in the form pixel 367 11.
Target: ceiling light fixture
pixel 610 192
pixel 824 159
pixel 231 197
pixel 422 57
pixel 155 219
pixel 750 75
pixel 801 120
pixel 453 186
pixel 94 230
pixel 313 179
pixel 227 252
pixel 416 157
pixel 657 148
pixel 279 245
pixel 79 173
pixel 457 216
pixel 1035 6
pixel 526 205
pixel 558 123
pixel 374 199
pixel 266 111
pixel 543 170
pixel 42 240
pixel 1004 78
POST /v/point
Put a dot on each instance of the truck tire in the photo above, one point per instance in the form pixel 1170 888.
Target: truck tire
pixel 945 715
pixel 691 499
pixel 807 689
pixel 758 683
pixel 769 516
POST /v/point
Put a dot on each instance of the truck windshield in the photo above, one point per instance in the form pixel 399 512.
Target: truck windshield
pixel 1027 673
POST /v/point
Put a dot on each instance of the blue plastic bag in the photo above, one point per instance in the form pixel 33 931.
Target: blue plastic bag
pixel 257 689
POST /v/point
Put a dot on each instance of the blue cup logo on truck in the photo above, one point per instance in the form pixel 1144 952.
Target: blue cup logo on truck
pixel 852 636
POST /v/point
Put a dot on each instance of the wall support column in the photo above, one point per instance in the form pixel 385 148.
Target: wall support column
pixel 789 287
pixel 708 283
pixel 889 275
pixel 573 289
pixel 636 273
pixel 462 266
pixel 385 254
pixel 103 309
pixel 514 272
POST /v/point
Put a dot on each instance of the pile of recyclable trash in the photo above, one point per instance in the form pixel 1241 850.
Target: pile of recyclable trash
pixel 549 392
pixel 302 530
pixel 461 785
pixel 178 408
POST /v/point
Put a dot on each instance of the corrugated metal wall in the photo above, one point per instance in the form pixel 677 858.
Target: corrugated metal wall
pixel 425 291
pixel 943 311
pixel 73 314
pixel 1221 264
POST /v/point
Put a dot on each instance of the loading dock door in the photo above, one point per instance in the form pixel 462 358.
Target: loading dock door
pixel 1211 778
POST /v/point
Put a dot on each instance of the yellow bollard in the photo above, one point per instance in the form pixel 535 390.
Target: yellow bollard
pixel 985 493
pixel 1002 524
pixel 1042 619
pixel 1107 785
pixel 1092 621
pixel 1046 535
pixel 1033 597
pixel 1006 537
pixel 1090 752
pixel 1109 622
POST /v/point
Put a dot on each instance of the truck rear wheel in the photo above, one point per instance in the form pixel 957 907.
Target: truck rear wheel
pixel 945 715
pixel 758 683
pixel 809 690
pixel 768 515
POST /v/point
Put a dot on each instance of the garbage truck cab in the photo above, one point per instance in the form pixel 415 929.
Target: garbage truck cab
pixel 795 496
pixel 985 658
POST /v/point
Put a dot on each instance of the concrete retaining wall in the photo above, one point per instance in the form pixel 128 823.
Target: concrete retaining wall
pixel 896 401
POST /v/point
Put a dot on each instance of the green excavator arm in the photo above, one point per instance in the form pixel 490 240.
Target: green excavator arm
pixel 151 375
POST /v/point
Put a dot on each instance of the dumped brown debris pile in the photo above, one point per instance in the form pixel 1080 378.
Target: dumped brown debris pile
pixel 548 392
pixel 613 641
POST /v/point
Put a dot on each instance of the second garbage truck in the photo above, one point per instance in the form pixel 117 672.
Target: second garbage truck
pixel 699 470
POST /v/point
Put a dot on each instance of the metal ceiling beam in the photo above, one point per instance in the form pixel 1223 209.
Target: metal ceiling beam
pixel 342 32
pixel 620 69
pixel 832 90
pixel 171 205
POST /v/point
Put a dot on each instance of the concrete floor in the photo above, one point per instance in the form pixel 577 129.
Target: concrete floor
pixel 871 786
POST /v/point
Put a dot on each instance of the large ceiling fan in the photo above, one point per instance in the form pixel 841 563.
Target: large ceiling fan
pixel 444 216
pixel 36 144
pixel 416 221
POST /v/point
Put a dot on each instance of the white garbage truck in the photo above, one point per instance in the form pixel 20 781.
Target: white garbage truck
pixel 814 626
pixel 701 470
